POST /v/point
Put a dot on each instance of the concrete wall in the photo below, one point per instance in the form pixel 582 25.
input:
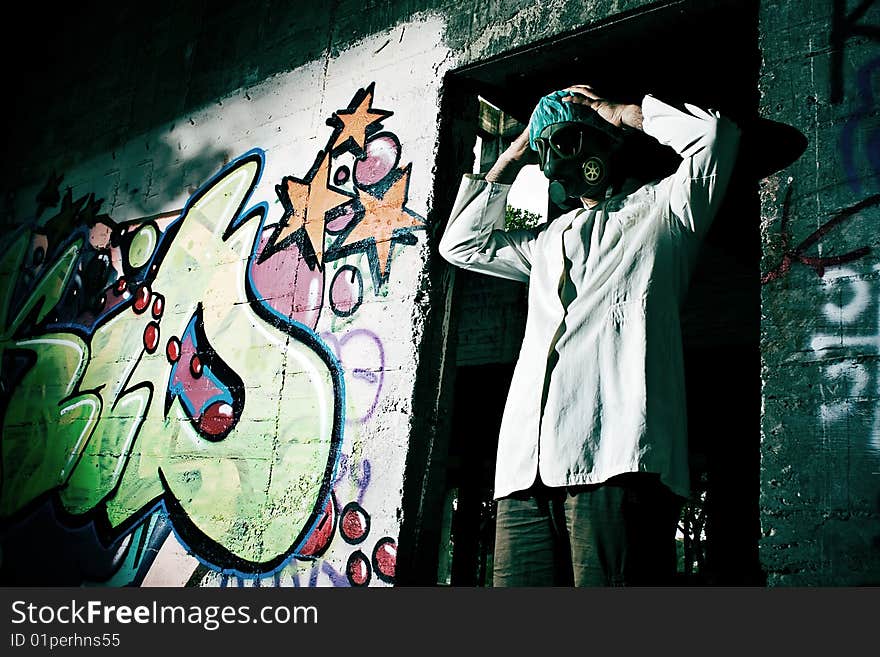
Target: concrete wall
pixel 820 483
pixel 153 196
pixel 216 380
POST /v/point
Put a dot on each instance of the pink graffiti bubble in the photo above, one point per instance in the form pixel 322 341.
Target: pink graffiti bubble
pixel 287 284
pixel 341 176
pixel 318 541
pixel 340 223
pixel 355 523
pixel 385 558
pixel 358 569
pixel 382 155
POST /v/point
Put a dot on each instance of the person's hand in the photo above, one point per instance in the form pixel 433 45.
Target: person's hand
pixel 514 158
pixel 617 114
pixel 520 151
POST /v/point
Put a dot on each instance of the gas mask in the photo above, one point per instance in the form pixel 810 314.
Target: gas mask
pixel 578 159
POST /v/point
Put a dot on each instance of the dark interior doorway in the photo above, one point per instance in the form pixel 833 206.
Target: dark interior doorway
pixel 705 53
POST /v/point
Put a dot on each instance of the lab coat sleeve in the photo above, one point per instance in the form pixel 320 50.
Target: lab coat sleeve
pixel 475 238
pixel 707 143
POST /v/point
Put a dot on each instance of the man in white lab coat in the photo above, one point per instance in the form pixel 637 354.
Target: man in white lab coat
pixel 592 462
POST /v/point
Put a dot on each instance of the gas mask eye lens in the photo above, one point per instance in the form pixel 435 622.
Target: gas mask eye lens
pixel 567 141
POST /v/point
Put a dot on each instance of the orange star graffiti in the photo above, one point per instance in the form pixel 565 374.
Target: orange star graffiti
pixel 357 122
pixel 384 216
pixel 306 203
pixel 381 218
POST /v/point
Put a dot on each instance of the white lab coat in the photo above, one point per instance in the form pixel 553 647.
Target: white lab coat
pixel 605 287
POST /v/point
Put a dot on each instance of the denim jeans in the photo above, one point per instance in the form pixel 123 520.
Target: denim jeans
pixel 618 533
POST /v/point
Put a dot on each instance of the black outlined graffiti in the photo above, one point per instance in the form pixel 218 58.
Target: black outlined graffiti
pixel 361 205
pixel 843 26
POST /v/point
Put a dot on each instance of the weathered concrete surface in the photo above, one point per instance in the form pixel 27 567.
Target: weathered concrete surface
pixel 262 405
pixel 112 72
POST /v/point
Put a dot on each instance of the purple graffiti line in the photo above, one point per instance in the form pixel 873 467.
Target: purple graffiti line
pixel 817 263
pixel 844 26
pixel 337 579
pixel 360 477
pixel 849 136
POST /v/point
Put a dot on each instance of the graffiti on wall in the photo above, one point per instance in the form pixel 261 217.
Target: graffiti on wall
pixel 845 25
pixel 172 366
pixel 857 320
pixel 847 339
pixel 852 344
pixel 859 147
pixel 817 263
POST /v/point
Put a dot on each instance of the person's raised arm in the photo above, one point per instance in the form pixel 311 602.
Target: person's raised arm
pixel 474 237
pixel 512 160
pixel 706 141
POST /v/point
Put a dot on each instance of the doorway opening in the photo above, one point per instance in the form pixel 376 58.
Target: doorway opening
pixel 701 53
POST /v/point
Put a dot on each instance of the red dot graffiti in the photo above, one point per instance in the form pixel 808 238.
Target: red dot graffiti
pixel 217 419
pixel 288 282
pixel 355 523
pixel 385 559
pixel 158 306
pixel 172 349
pixel 142 298
pixel 151 337
pixel 358 569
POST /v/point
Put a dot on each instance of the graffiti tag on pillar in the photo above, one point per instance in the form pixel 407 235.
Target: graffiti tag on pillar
pixel 843 27
pixel 817 263
pixel 848 378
